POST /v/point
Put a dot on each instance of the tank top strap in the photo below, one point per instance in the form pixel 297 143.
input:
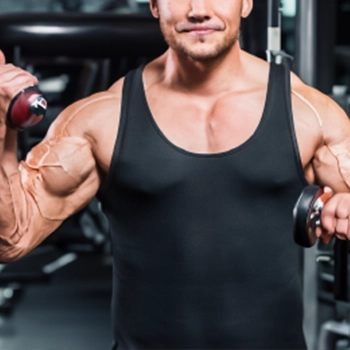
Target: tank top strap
pixel 132 90
pixel 278 95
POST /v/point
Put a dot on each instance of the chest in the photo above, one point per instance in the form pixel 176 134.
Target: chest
pixel 207 124
pixel 228 141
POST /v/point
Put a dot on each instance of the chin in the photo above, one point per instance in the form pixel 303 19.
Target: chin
pixel 201 50
pixel 201 57
pixel 204 54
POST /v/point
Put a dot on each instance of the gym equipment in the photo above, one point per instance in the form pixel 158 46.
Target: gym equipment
pixel 15 277
pixel 335 332
pixel 274 52
pixel 307 214
pixel 273 29
pixel 26 109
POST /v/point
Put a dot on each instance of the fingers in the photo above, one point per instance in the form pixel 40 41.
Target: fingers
pixel 12 81
pixel 326 238
pixel 12 77
pixel 335 217
pixel 323 235
pixel 2 58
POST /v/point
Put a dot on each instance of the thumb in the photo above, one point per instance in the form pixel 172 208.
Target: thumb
pixel 327 189
pixel 2 58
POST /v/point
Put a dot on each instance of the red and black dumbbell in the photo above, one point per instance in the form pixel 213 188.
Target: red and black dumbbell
pixel 26 109
pixel 307 214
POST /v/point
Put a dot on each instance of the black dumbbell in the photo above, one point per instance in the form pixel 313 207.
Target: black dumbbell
pixel 26 109
pixel 307 214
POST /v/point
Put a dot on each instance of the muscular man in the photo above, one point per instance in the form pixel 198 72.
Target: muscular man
pixel 198 159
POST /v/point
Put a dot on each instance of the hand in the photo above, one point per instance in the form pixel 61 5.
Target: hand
pixel 12 81
pixel 335 218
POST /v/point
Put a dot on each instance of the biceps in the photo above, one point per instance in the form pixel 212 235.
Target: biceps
pixel 61 176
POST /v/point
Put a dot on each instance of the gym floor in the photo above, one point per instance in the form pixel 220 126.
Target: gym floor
pixel 71 311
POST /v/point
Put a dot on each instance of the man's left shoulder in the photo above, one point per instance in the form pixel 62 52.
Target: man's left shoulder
pixel 321 102
pixel 327 109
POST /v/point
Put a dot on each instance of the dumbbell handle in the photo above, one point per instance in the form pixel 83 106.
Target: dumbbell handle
pixel 307 214
pixel 26 109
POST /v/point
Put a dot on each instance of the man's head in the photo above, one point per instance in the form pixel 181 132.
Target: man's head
pixel 201 29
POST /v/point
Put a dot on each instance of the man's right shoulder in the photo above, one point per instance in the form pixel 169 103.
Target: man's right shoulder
pixel 87 115
pixel 117 87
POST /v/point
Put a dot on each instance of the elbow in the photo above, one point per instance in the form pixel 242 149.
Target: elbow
pixel 10 256
pixel 10 252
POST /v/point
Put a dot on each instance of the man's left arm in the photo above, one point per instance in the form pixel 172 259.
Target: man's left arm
pixel 331 165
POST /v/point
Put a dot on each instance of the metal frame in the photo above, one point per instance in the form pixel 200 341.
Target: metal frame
pixel 306 39
pixel 314 63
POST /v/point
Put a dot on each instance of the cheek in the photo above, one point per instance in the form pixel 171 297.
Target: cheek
pixel 173 11
pixel 229 11
pixel 165 10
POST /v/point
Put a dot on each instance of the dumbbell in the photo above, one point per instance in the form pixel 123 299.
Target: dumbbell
pixel 307 214
pixel 26 109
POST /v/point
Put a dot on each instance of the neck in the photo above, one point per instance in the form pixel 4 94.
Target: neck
pixel 204 77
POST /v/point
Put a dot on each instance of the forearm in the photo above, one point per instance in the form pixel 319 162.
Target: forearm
pixel 9 233
pixel 331 169
pixel 21 226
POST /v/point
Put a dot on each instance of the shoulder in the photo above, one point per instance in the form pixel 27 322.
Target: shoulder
pixel 309 104
pixel 315 97
pixel 95 120
pixel 79 117
pixel 312 103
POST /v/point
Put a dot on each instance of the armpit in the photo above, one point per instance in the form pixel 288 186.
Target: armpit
pixel 61 176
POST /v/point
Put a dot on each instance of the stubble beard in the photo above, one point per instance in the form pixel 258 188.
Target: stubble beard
pixel 199 51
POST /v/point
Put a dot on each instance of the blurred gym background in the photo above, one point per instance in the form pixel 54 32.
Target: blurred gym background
pixel 58 297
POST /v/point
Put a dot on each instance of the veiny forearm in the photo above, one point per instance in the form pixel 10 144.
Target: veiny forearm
pixel 331 170
pixel 21 226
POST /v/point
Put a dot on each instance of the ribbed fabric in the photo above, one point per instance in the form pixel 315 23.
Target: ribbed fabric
pixel 204 256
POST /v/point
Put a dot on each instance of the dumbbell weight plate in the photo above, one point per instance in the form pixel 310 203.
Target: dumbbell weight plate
pixel 26 109
pixel 306 216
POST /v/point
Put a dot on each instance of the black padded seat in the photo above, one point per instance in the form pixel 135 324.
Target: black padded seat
pixel 81 34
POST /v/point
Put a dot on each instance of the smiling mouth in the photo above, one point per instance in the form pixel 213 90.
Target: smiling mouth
pixel 201 31
pixel 198 29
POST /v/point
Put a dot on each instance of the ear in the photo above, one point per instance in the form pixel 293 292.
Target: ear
pixel 153 5
pixel 247 6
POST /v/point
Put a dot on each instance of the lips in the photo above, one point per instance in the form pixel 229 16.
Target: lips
pixel 198 29
pixel 201 31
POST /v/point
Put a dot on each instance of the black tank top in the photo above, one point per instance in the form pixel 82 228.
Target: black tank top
pixel 204 256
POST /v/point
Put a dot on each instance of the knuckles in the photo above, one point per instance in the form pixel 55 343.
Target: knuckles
pixel 14 79
pixel 335 216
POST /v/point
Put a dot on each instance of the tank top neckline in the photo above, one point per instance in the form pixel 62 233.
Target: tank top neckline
pixel 228 152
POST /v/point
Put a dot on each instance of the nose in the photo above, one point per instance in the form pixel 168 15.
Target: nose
pixel 200 10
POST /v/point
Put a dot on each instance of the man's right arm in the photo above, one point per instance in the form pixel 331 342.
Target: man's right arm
pixel 58 178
